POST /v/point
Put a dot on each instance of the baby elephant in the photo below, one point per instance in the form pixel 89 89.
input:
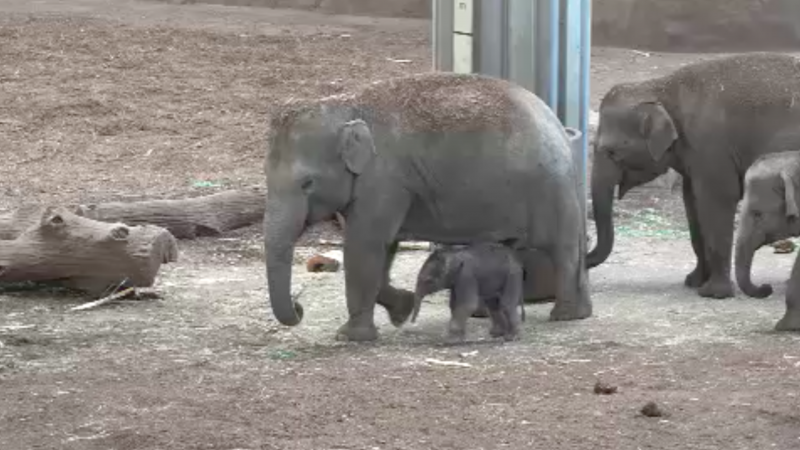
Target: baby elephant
pixel 483 272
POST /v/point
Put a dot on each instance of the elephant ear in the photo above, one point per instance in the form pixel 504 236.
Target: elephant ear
pixel 356 145
pixel 790 195
pixel 657 127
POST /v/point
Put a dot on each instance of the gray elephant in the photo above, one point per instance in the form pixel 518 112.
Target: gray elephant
pixel 708 121
pixel 439 157
pixel 487 273
pixel 770 212
pixel 791 318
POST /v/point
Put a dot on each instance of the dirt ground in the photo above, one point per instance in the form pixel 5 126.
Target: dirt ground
pixel 104 99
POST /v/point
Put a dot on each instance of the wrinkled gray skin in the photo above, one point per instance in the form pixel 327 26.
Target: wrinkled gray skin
pixel 770 212
pixel 791 318
pixel 446 187
pixel 708 121
pixel 487 273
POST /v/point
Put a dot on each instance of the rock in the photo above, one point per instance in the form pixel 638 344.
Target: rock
pixel 601 388
pixel 651 409
pixel 320 263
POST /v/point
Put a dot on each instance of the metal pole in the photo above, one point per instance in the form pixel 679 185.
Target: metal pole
pixel 546 46
pixel 586 55
pixel 522 54
pixel 443 35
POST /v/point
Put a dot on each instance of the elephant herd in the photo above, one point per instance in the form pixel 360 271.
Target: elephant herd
pixel 466 158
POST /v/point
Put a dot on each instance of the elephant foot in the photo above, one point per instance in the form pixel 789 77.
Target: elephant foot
pixel 456 333
pixel 789 322
pixel 455 338
pixel 511 336
pixel 496 331
pixel 357 333
pixel 716 289
pixel 481 312
pixel 399 304
pixel 563 311
pixel 695 279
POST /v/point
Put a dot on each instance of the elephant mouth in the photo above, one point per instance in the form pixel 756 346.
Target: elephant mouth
pixel 625 185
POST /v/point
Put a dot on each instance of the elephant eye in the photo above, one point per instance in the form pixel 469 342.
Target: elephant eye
pixel 307 184
pixel 757 215
pixel 611 153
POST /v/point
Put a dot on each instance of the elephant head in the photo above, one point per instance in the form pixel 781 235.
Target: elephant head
pixel 769 213
pixel 437 273
pixel 315 156
pixel 634 136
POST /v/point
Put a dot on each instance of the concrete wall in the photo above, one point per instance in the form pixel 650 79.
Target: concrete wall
pixel 697 25
pixel 662 25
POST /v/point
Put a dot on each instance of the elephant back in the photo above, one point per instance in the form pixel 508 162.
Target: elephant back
pixel 442 102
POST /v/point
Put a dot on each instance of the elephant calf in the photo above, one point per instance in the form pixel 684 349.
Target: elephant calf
pixel 770 212
pixel 486 273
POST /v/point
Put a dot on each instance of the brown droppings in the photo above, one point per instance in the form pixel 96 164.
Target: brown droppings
pixel 601 388
pixel 651 409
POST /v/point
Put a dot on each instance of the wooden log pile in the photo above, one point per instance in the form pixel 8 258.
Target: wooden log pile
pixel 55 244
pixel 209 215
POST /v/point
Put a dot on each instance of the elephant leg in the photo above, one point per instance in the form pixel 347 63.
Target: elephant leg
pixel 482 311
pixel 464 300
pixel 369 244
pixel 499 324
pixel 510 305
pixel 363 275
pixel 566 244
pixel 399 303
pixel 791 318
pixel 716 214
pixel 700 274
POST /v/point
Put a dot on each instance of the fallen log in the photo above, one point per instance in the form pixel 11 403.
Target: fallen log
pixel 86 254
pixel 209 215
pixel 12 224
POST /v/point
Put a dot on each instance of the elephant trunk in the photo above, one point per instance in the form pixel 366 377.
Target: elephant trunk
pixel 284 222
pixel 417 304
pixel 747 242
pixel 605 177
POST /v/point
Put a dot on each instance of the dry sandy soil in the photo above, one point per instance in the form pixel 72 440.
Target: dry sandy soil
pixel 108 100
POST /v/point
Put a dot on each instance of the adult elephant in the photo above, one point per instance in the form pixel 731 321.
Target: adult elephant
pixel 441 157
pixel 770 212
pixel 708 121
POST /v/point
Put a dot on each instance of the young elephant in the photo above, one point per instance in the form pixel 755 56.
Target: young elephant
pixel 770 212
pixel 486 273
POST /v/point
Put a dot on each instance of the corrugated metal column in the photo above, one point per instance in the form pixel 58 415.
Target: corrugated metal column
pixel 573 105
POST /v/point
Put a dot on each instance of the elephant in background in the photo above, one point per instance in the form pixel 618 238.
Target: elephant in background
pixel 439 157
pixel 708 121
pixel 484 273
pixel 770 212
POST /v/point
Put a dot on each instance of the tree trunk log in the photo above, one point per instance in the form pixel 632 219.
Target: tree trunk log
pixel 209 215
pixel 85 254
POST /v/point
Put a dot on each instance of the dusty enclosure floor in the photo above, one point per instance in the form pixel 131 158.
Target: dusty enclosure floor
pixel 102 100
